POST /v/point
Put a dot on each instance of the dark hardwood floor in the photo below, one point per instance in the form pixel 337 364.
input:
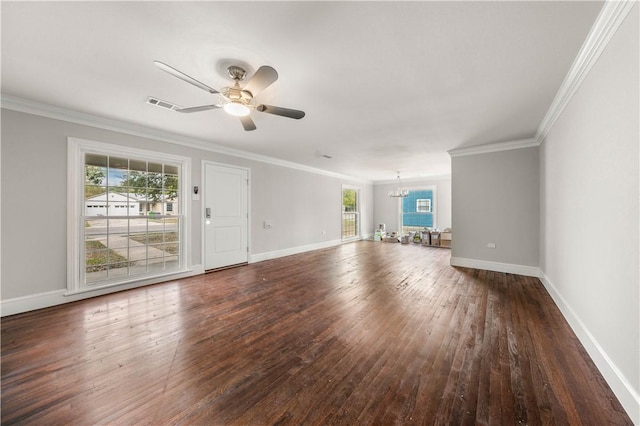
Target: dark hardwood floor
pixel 364 333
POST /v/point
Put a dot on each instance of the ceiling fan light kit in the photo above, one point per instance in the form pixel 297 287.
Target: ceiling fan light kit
pixel 237 101
pixel 236 109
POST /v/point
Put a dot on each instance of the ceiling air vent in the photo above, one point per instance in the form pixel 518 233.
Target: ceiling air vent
pixel 162 104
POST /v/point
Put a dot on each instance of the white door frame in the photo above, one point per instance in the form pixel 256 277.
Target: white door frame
pixel 202 191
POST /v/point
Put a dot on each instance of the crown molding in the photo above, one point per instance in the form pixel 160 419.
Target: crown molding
pixel 493 147
pixel 58 113
pixel 419 179
pixel 611 16
pixel 609 19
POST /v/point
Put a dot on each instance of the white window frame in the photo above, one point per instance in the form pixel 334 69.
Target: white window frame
pixel 76 150
pixel 359 216
pixel 434 205
pixel 428 205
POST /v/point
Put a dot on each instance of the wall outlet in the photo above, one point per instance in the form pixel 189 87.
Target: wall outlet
pixel 267 225
pixel 491 245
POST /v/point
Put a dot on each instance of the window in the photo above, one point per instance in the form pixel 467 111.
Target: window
pixel 119 198
pixel 350 213
pixel 423 205
pixel 416 210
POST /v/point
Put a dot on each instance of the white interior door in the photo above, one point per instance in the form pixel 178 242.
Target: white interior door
pixel 226 216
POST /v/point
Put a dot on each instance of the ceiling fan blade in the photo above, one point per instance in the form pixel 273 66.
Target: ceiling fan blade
pixel 182 76
pixel 263 78
pixel 284 112
pixel 199 108
pixel 247 123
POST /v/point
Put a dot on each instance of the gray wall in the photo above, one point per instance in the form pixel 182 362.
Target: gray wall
pixel 495 200
pixel 300 204
pixel 386 208
pixel 589 252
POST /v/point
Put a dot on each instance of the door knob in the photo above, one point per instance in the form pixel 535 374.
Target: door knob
pixel 208 212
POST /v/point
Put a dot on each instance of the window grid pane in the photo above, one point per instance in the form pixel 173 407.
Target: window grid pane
pixel 125 227
pixel 350 213
pixel 417 211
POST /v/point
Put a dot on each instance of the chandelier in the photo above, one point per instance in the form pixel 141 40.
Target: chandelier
pixel 399 192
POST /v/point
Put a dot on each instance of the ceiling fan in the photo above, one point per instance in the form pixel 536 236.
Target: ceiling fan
pixel 237 101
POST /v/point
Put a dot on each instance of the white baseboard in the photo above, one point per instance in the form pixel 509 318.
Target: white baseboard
pixel 259 257
pixel 32 302
pixel 619 384
pixel 529 271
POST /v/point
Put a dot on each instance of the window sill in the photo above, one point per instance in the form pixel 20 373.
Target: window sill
pixel 350 239
pixel 132 283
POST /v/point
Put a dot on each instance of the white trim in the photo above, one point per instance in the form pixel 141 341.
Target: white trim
pixel 18 305
pixel 358 201
pixel 434 205
pixel 203 177
pixel 76 148
pixel 509 268
pixel 111 285
pixel 59 113
pixel 260 257
pixel 620 385
pixel 32 302
pixel 493 147
pixel 418 179
pixel 75 178
pixel 611 16
pixel 352 239
pixel 350 186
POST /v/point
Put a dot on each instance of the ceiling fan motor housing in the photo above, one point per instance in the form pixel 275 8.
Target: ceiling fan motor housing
pixel 235 94
pixel 237 73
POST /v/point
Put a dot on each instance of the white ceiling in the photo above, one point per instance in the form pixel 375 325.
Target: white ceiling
pixel 386 86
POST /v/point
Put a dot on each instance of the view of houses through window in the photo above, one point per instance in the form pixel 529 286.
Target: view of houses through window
pixel 131 217
pixel 417 211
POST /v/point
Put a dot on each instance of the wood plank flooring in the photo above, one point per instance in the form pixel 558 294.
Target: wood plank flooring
pixel 363 333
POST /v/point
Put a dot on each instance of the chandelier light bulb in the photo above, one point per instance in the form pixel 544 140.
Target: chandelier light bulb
pixel 399 192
